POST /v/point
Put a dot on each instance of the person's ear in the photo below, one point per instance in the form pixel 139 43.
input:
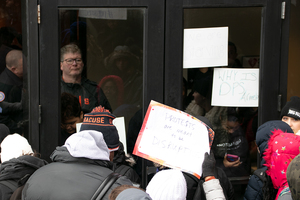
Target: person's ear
pixel 61 66
pixel 13 69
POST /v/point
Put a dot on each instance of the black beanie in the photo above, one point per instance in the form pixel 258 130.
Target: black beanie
pixel 100 120
pixel 291 108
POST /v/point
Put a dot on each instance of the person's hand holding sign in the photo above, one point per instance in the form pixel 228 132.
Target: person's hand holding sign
pixel 208 166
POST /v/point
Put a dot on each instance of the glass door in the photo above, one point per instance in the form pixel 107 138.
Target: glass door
pixel 254 38
pixel 118 49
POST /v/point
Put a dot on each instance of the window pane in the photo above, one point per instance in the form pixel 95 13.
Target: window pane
pixel 13 77
pixel 235 127
pixel 111 44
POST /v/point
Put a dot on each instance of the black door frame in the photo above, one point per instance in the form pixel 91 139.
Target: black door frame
pixel 162 65
pixel 274 45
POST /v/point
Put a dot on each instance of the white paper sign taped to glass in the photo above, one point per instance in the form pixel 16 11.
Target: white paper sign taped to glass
pixel 173 138
pixel 235 87
pixel 205 47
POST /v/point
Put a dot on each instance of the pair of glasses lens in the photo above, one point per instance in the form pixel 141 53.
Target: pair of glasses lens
pixel 71 61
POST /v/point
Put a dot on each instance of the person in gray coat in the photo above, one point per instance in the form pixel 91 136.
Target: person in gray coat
pixel 79 166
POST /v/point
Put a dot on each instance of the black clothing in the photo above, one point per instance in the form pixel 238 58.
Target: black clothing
pixel 122 165
pixel 236 144
pixel 86 92
pixel 11 92
pixel 18 170
pixel 254 187
pixel 195 186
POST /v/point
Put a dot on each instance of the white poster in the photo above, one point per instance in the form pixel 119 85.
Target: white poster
pixel 205 47
pixel 173 138
pixel 235 87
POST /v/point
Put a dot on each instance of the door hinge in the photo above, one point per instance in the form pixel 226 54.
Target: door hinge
pixel 40 114
pixel 283 10
pixel 279 103
pixel 38 14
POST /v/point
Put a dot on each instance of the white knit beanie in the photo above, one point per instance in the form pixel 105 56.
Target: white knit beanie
pixel 167 184
pixel 14 146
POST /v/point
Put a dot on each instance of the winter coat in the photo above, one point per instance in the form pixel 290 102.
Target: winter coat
pixel 195 190
pixel 282 149
pixel 11 92
pixel 86 92
pixel 17 170
pixel 72 177
pixel 255 184
pixel 123 165
pixel 213 190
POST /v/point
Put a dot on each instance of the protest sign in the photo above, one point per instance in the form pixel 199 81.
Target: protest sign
pixel 205 47
pixel 235 87
pixel 173 138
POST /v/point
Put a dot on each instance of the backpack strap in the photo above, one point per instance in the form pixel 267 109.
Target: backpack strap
pixel 13 185
pixel 123 169
pixel 105 185
pixel 261 174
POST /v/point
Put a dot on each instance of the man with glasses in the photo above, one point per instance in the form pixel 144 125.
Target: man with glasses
pixel 73 82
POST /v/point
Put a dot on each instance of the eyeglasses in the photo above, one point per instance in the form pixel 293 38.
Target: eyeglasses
pixel 71 61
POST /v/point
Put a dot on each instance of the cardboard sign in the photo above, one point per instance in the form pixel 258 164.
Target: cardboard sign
pixel 173 138
pixel 235 87
pixel 205 47
pixel 119 123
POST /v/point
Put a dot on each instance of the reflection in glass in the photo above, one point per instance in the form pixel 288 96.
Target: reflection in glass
pixel 234 127
pixel 111 48
pixel 12 72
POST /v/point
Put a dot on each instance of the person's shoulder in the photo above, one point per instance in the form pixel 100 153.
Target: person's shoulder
pixel 89 82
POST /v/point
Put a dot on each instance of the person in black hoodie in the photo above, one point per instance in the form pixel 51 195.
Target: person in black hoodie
pixel 123 165
pixel 256 181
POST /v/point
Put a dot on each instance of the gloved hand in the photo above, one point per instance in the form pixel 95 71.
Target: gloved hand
pixel 208 165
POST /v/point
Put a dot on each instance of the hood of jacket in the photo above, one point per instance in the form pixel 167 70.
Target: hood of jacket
pixel 265 131
pixel 84 146
pixel 282 149
pixel 20 167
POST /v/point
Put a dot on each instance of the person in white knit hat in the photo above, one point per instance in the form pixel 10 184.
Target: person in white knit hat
pixel 167 184
pixel 14 146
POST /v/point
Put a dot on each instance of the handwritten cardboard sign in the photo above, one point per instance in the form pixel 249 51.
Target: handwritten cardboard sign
pixel 173 138
pixel 205 47
pixel 235 87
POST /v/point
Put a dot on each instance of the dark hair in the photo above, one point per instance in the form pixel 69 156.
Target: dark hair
pixel 269 192
pixel 70 106
pixel 232 115
pixel 233 45
pixel 115 192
